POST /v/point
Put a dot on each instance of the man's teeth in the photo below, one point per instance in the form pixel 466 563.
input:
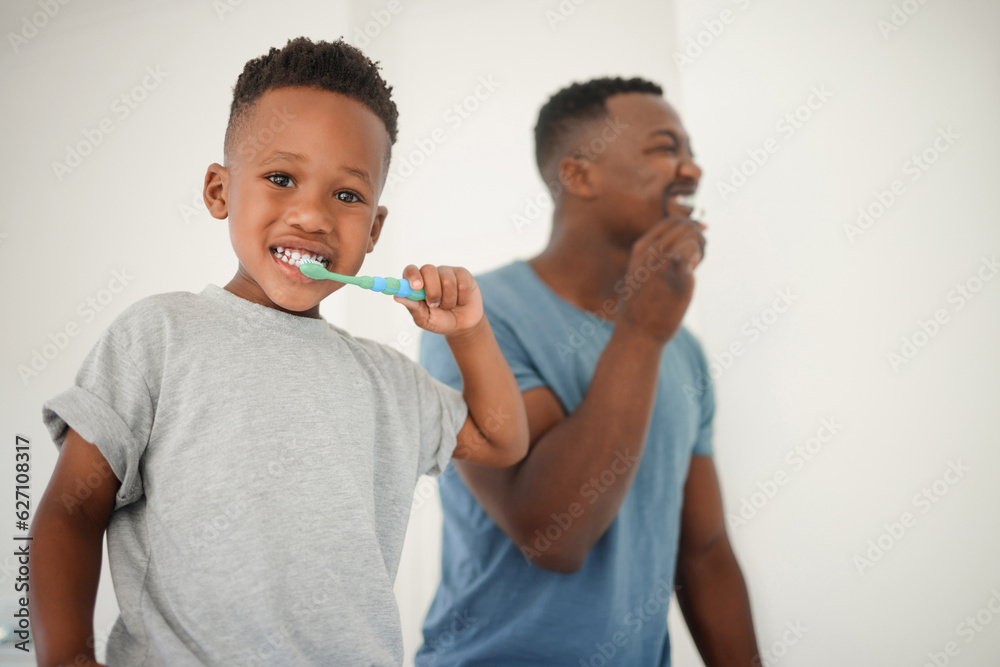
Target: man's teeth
pixel 685 200
pixel 298 257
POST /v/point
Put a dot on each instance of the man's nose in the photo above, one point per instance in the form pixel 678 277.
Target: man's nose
pixel 689 169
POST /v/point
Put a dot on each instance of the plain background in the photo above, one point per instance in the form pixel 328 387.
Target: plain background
pixel 858 294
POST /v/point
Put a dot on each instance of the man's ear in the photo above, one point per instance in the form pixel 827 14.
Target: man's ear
pixel 216 191
pixel 377 223
pixel 578 176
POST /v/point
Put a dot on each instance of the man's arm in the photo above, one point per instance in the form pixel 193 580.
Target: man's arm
pixel 710 587
pixel 562 473
pixel 560 481
pixel 66 550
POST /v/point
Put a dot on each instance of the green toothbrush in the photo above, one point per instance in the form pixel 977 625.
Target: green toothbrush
pixel 391 286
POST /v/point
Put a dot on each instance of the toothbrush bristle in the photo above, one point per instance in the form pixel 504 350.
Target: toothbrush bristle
pixel 312 269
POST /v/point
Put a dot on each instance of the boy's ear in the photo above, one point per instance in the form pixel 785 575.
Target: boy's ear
pixel 216 191
pixel 578 176
pixel 380 214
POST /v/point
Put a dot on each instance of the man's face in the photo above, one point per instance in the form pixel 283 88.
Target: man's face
pixel 648 164
pixel 306 177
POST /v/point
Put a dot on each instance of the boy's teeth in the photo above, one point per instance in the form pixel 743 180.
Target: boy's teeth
pixel 685 200
pixel 296 258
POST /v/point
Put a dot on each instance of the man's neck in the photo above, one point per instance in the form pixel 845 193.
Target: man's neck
pixel 583 269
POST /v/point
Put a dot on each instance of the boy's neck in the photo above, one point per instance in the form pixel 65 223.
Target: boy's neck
pixel 252 292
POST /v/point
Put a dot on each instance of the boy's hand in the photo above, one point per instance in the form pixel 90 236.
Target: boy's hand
pixel 453 304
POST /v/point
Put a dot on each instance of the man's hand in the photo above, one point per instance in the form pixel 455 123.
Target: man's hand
pixel 453 305
pixel 660 271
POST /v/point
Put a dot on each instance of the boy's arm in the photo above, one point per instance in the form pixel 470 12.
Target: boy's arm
pixel 495 433
pixel 66 550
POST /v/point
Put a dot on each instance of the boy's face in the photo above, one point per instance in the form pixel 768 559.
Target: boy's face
pixel 306 175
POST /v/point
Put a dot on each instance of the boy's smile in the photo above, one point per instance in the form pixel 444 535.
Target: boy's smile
pixel 306 187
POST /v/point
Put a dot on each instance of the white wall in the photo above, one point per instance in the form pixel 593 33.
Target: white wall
pixel 126 206
pixel 855 298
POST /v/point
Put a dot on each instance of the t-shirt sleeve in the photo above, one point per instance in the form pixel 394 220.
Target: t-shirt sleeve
pixel 110 406
pixel 442 412
pixel 525 371
pixel 435 356
pixel 706 402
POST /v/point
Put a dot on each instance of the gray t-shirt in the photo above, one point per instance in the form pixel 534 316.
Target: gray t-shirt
pixel 267 463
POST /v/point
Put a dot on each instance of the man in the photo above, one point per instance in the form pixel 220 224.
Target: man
pixel 569 557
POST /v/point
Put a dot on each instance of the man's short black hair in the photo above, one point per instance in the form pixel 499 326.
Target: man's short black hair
pixel 576 105
pixel 334 66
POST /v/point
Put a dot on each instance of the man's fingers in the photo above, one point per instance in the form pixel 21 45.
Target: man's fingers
pixel 654 236
pixel 665 231
pixel 682 244
pixel 674 234
pixel 692 245
pixel 689 247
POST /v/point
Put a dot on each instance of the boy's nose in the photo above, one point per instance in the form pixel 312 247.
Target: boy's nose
pixel 309 216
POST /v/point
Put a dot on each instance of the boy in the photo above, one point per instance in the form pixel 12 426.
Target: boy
pixel 253 464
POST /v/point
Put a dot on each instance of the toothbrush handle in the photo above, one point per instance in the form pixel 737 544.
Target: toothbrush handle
pixel 397 287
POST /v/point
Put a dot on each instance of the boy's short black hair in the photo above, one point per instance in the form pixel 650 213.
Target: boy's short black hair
pixel 334 66
pixel 578 104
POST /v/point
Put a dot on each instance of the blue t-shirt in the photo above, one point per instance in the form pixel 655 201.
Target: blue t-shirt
pixel 493 607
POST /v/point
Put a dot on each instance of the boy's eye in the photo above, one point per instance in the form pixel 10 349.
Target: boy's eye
pixel 670 149
pixel 281 180
pixel 347 197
